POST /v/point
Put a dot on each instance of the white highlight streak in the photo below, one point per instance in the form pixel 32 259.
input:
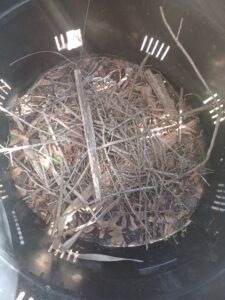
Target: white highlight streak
pixel 144 42
pixel 160 50
pixel 153 50
pixel 21 295
pixel 165 53
pixel 210 98
pixel 149 45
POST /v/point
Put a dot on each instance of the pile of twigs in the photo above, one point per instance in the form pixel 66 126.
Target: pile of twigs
pixel 114 156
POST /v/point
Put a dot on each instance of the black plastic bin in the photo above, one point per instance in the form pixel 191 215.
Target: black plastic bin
pixel 178 268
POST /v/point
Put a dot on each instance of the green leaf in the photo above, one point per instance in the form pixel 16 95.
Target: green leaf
pixel 200 156
pixel 12 137
pixel 55 159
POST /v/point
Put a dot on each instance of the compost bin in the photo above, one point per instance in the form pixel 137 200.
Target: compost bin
pixel 38 35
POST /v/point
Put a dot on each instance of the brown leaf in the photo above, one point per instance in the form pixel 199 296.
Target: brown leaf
pixel 19 136
pixel 191 126
pixel 44 82
pixel 116 235
pixel 19 124
pixel 199 190
pixel 21 191
pixel 56 74
pixel 38 199
pixel 16 172
pixel 117 240
pixel 171 138
pixel 70 154
pixel 146 92
pixel 89 229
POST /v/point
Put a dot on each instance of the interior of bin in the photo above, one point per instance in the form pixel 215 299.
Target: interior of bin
pixel 173 267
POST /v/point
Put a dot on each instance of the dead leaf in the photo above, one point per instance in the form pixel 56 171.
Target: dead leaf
pixel 70 154
pixel 171 138
pixel 44 82
pixel 56 74
pixel 191 126
pixel 19 124
pixel 38 199
pixel 16 172
pixel 117 239
pixel 198 190
pixel 89 229
pixel 18 136
pixel 116 235
pixel 21 191
pixel 146 92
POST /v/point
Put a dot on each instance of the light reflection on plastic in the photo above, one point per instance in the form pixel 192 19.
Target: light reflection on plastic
pixel 18 228
pixel 21 296
pixel 218 106
pixel 160 50
pixel 215 116
pixel 70 40
pixel 219 202
pixel 165 53
pixel 5 88
pixel 77 278
pixel 221 120
pixel 149 45
pixel 154 48
pixel 210 98
pixel 143 43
